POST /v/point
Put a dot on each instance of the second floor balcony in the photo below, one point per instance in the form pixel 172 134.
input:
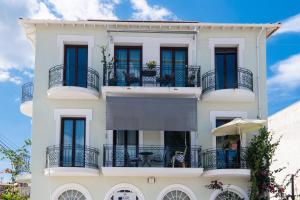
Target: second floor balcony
pixel 26 99
pixel 234 85
pixel 68 160
pixel 73 83
pixel 151 160
pixel 165 79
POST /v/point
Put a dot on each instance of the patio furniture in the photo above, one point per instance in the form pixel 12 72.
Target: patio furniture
pixel 146 158
pixel 179 157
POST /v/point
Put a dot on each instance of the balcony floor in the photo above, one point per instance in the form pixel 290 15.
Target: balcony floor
pixel 71 171
pixel 227 173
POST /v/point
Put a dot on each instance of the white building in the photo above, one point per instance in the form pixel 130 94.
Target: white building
pixel 286 124
pixel 127 131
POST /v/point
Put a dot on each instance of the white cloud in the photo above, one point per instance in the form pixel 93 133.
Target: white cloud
pixel 6 76
pixel 291 24
pixel 143 11
pixel 286 74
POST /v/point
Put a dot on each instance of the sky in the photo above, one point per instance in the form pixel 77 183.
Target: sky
pixel 17 54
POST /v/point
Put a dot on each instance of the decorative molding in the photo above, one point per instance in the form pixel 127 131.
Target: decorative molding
pixel 180 187
pixel 70 186
pixel 59 113
pixel 227 42
pixel 231 188
pixel 124 186
pixel 74 39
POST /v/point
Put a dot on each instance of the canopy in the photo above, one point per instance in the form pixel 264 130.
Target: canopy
pixel 239 126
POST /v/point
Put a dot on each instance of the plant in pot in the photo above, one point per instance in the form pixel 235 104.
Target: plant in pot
pixel 150 70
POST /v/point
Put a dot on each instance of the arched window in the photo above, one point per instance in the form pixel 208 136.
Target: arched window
pixel 176 192
pixel 71 191
pixel 124 191
pixel 176 195
pixel 72 195
pixel 229 195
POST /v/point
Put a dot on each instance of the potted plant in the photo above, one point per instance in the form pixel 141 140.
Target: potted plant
pixel 151 69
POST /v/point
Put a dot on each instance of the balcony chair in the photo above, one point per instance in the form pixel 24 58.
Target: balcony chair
pixel 179 157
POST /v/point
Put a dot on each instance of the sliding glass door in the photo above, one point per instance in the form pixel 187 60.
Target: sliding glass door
pixel 173 66
pixel 72 150
pixel 75 66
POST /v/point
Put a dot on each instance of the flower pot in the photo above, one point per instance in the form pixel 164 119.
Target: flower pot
pixel 149 73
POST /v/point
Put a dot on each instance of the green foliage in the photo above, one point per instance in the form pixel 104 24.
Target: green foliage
pixel 151 64
pixel 12 193
pixel 16 158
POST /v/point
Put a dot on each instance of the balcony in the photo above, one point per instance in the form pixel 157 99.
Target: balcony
pixel 23 173
pixel 179 80
pixel 241 91
pixel 146 161
pixel 26 101
pixel 82 87
pixel 72 161
pixel 225 162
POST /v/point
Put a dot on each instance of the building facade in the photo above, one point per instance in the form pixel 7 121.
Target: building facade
pixel 126 109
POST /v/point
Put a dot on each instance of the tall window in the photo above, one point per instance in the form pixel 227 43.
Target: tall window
pixel 76 61
pixel 173 66
pixel 226 68
pixel 72 142
pixel 128 65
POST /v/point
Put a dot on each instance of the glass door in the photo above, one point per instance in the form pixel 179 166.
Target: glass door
pixel 228 148
pixel 128 65
pixel 125 148
pixel 177 146
pixel 173 66
pixel 72 151
pixel 75 66
pixel 226 68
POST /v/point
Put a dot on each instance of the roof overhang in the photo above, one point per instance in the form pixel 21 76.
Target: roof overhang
pixel 29 26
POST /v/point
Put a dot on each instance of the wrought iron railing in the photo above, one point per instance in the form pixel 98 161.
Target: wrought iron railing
pixel 220 158
pixel 57 78
pixel 24 167
pixel 151 156
pixel 244 80
pixel 27 92
pixel 69 156
pixel 166 76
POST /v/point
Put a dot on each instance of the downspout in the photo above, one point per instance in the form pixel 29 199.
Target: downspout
pixel 258 72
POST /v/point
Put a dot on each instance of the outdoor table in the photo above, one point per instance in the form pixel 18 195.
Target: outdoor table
pixel 146 158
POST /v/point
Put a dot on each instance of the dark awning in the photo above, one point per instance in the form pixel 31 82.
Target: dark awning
pixel 151 113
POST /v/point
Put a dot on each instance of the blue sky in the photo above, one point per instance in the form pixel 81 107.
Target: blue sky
pixel 16 53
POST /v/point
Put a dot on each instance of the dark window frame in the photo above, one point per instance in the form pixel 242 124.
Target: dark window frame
pixel 115 132
pixel 66 46
pixel 224 51
pixel 73 139
pixel 173 49
pixel 140 48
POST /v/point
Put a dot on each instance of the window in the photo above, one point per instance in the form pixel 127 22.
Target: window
pixel 173 71
pixel 226 68
pixel 176 195
pixel 72 195
pixel 75 65
pixel 72 142
pixel 128 65
pixel 226 195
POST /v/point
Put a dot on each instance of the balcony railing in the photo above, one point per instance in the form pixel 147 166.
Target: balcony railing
pixel 220 158
pixel 151 156
pixel 244 80
pixel 24 167
pixel 167 76
pixel 27 92
pixel 57 78
pixel 69 156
